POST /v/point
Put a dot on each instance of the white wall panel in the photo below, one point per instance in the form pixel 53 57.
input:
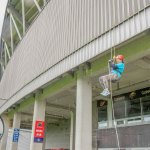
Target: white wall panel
pixel 58 136
pixel 24 140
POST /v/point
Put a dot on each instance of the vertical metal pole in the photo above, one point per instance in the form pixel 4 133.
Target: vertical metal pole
pixel 11 36
pixel 23 17
pixel 14 22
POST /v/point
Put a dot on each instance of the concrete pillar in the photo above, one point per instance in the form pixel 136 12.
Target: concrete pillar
pixel 94 124
pixel 38 115
pixel 72 131
pixel 44 142
pixel 6 130
pixel 83 140
pixel 16 125
pixel 109 113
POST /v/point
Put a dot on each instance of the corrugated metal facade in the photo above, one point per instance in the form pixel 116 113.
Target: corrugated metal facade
pixel 53 43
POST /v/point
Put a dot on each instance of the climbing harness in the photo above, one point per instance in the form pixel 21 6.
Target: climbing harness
pixel 111 98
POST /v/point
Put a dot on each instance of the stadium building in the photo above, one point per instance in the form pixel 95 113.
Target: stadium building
pixel 52 53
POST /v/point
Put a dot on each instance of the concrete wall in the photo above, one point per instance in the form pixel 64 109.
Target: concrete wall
pixel 58 136
pixel 24 140
pixel 1 127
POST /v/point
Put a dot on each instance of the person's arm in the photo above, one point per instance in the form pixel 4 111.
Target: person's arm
pixel 112 64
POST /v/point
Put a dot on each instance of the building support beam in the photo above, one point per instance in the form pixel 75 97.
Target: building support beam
pixel 15 25
pixel 23 18
pixel 44 2
pixel 72 130
pixel 6 130
pixel 16 125
pixel 5 56
pixel 11 36
pixel 39 115
pixel 17 15
pixel 59 107
pixel 7 50
pixel 1 60
pixel 94 125
pixel 3 68
pixel 37 5
pixel 83 140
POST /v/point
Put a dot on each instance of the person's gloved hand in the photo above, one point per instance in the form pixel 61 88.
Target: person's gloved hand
pixel 111 60
pixel 114 57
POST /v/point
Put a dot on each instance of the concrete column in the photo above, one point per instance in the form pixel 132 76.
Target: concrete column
pixel 94 124
pixel 39 114
pixel 6 130
pixel 16 125
pixel 109 113
pixel 72 131
pixel 44 142
pixel 83 140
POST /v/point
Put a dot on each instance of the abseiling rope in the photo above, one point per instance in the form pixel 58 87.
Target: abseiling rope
pixel 115 124
pixel 113 43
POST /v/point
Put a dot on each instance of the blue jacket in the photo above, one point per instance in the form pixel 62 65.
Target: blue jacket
pixel 117 68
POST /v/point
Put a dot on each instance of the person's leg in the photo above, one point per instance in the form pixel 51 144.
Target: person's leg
pixel 104 81
pixel 101 81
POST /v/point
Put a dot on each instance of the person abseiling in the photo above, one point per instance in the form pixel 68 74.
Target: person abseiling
pixel 117 68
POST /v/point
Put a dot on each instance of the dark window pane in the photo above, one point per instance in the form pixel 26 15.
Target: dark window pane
pixel 119 109
pixel 102 111
pixel 133 108
pixel 146 105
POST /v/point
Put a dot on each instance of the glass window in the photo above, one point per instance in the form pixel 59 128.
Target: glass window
pixel 119 109
pixel 146 105
pixel 133 108
pixel 102 111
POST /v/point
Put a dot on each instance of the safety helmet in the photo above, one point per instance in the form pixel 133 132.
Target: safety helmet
pixel 121 57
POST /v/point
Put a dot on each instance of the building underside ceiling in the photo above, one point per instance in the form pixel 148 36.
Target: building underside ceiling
pixel 58 108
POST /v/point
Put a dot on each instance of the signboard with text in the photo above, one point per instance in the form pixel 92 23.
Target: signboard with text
pixel 39 131
pixel 16 135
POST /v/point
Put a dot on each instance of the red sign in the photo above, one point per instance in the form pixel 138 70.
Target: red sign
pixel 39 129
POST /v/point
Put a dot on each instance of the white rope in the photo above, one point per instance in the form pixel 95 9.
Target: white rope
pixel 113 42
pixel 115 124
